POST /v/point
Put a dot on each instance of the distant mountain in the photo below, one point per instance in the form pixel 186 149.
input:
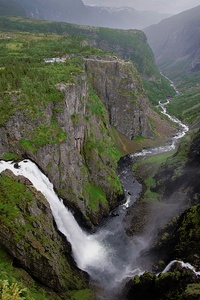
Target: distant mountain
pixel 74 11
pixel 57 10
pixel 122 17
pixel 11 8
pixel 175 42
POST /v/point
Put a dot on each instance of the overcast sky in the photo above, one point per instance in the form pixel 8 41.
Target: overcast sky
pixel 164 6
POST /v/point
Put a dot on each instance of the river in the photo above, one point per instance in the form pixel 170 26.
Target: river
pixel 109 256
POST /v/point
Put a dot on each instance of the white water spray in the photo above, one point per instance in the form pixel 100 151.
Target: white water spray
pixel 183 265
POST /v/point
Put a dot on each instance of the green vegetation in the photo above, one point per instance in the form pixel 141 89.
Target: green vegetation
pixel 102 156
pixel 31 87
pixel 146 170
pixel 44 134
pixel 192 291
pixel 142 55
pixel 16 202
pixel 11 291
pixel 81 295
pixel 96 197
pixel 12 194
pixel 190 227
pixel 172 162
pixel 130 43
pixel 173 285
pixel 10 156
pixel 158 89
pixel 186 106
pixel 17 281
pixel 96 106
pixel 28 85
pixel 178 161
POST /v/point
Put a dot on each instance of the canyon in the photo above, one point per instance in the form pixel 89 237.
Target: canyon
pixel 79 119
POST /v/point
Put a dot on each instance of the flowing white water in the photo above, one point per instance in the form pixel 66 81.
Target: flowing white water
pixel 87 251
pixel 183 265
pixel 183 130
pixel 98 254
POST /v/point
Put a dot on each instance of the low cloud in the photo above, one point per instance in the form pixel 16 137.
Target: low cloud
pixel 163 6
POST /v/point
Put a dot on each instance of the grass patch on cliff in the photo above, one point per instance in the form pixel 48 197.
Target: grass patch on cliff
pixel 81 295
pixel 22 280
pixel 96 197
pixel 179 159
pixel 192 291
pixel 158 89
pixel 12 194
pixel 190 227
pixel 44 134
pixel 9 156
pixel 146 169
pixel 95 105
pixel 186 106
pixel 6 108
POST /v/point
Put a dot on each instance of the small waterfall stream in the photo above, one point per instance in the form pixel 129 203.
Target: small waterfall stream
pixel 109 255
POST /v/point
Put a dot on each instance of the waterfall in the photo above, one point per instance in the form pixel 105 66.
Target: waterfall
pixel 183 265
pixel 86 249
pixel 97 253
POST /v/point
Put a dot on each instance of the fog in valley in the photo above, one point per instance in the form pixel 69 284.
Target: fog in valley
pixel 161 6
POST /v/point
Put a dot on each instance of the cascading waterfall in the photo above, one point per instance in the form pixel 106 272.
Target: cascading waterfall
pixel 92 253
pixel 86 249
pixel 183 265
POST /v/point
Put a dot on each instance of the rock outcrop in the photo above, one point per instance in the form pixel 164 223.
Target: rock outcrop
pixel 28 233
pixel 119 86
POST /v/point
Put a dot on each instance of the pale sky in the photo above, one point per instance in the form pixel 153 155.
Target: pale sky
pixel 163 6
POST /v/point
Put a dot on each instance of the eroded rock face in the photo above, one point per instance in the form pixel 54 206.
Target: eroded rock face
pixel 72 140
pixel 28 233
pixel 119 87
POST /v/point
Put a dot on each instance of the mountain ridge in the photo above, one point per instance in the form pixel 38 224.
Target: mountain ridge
pixel 77 12
pixel 177 39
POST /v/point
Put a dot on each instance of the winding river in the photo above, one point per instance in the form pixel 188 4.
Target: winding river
pixel 108 255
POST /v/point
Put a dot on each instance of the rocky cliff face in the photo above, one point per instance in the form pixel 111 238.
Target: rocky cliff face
pixel 29 235
pixel 119 87
pixel 179 176
pixel 72 140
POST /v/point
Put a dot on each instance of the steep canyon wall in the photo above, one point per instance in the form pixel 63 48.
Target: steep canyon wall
pixel 72 140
